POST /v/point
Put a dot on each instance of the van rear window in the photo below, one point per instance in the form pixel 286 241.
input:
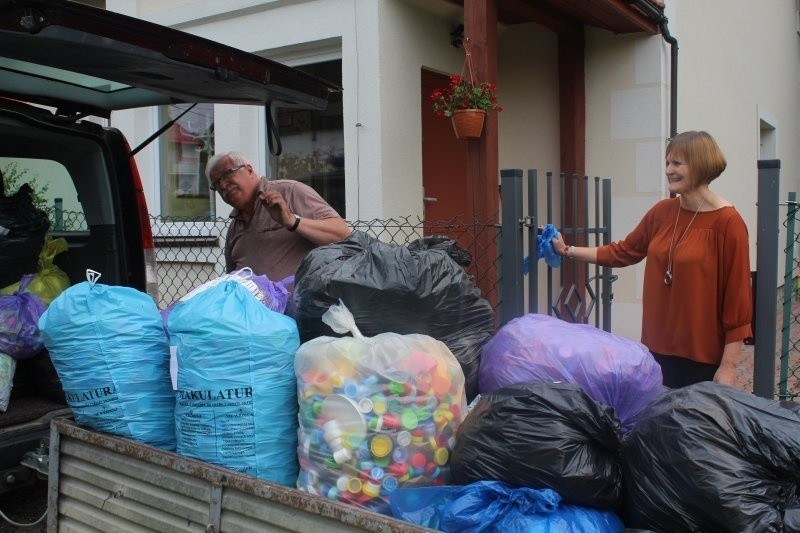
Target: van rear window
pixel 53 190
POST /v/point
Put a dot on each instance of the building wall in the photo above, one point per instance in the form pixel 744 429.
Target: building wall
pixel 737 66
pixel 626 124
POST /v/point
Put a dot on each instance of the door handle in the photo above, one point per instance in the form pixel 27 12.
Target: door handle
pixel 429 199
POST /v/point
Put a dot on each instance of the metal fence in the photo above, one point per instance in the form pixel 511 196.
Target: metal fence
pixel 190 252
pixel 576 292
pixel 789 307
pixel 776 363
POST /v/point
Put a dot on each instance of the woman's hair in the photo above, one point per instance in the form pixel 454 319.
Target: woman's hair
pixel 701 152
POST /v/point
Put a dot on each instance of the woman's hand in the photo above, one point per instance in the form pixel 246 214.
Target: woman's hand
pixel 559 246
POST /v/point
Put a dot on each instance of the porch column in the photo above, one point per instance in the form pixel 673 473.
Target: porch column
pixel 483 172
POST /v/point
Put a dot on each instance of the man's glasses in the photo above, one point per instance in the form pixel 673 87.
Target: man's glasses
pixel 225 175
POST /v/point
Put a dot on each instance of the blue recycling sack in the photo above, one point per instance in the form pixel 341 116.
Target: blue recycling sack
pixel 544 249
pixel 110 351
pixel 236 398
pixel 493 506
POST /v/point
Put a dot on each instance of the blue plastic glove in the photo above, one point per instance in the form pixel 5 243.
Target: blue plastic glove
pixel 544 249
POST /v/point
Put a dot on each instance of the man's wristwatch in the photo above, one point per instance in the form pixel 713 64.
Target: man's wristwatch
pixel 297 219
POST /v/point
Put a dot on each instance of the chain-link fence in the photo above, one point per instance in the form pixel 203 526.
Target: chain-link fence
pixel 190 252
pixel 788 340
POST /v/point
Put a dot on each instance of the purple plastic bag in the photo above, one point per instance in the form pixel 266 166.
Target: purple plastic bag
pixel 612 370
pixel 19 322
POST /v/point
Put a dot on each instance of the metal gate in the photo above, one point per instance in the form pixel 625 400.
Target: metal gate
pixel 577 292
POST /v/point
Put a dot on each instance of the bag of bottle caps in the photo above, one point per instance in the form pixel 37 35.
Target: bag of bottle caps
pixel 376 413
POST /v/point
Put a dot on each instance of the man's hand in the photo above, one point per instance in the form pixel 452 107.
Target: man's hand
pixel 276 205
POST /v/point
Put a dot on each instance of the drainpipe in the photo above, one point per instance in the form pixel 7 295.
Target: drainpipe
pixel 657 15
pixel 673 74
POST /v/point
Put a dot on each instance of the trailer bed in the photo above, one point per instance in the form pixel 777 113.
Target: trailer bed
pixel 100 482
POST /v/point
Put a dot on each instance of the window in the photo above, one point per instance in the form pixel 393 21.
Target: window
pixel 313 142
pixel 185 148
pixel 53 190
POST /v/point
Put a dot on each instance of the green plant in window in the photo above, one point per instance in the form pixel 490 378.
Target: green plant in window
pixel 14 178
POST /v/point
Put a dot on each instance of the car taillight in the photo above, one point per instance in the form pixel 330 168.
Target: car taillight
pixel 148 244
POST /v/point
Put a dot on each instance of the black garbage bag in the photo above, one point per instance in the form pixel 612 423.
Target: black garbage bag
pixel 22 231
pixel 542 435
pixel 390 288
pixel 709 457
pixel 442 242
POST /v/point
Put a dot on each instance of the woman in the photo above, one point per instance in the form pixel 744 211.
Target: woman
pixel 697 299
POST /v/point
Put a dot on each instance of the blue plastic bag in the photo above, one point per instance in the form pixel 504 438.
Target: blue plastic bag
pixel 493 506
pixel 19 316
pixel 236 403
pixel 544 249
pixel 110 351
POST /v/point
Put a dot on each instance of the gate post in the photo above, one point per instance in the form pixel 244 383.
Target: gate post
pixel 511 290
pixel 767 271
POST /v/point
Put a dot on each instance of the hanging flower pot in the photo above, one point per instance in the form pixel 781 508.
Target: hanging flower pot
pixel 468 123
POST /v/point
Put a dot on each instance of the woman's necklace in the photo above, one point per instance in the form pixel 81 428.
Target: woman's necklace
pixel 668 273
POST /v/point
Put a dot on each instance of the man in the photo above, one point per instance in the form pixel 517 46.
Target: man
pixel 274 223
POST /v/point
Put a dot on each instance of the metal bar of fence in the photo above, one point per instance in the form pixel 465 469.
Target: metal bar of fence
pixel 549 189
pixel 589 301
pixel 512 295
pixel 787 295
pixel 533 208
pixel 607 295
pixel 767 280
pixel 596 239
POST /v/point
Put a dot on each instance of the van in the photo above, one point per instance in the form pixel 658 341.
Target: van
pixel 64 68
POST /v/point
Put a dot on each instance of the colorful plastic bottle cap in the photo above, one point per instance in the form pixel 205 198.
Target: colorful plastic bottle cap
pixel 342 455
pixel 441 456
pixel 353 440
pixel 365 405
pixel 381 445
pixel 375 423
pixel 376 473
pixel 403 438
pixel 432 470
pixel 440 382
pixel 351 389
pixel 389 483
pixel 396 388
pixel 418 460
pixel 383 462
pixel 394 405
pixel 354 485
pixel 409 419
pixel 400 454
pixel 341 483
pixel 332 493
pixel 391 421
pixel 378 404
pixel 423 413
pixel 371 489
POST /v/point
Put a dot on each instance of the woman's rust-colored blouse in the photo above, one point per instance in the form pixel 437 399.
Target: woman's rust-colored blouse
pixel 709 303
